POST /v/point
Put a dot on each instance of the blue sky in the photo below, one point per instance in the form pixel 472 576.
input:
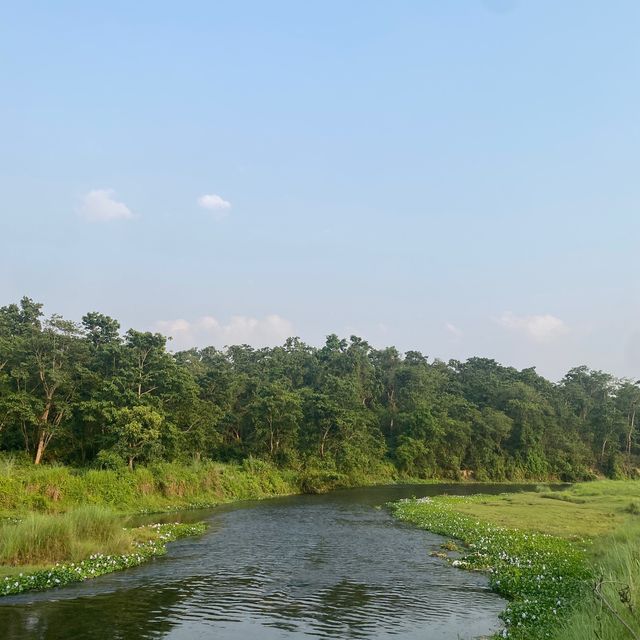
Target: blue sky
pixel 455 177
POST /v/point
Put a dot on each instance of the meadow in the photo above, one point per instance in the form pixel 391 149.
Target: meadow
pixel 568 562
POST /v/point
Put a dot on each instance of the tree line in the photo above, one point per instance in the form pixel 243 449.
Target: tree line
pixel 86 394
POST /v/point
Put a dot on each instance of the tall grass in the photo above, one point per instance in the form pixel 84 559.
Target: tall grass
pixel 45 539
pixel 160 487
pixel 48 489
pixel 611 611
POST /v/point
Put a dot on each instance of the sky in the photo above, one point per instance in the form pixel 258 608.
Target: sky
pixel 459 178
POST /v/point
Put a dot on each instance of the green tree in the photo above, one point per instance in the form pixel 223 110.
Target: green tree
pixel 138 433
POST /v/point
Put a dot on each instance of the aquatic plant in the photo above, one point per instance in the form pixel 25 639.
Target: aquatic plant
pixel 542 576
pixel 99 564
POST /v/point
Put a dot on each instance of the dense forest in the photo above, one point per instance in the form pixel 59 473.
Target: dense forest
pixel 87 395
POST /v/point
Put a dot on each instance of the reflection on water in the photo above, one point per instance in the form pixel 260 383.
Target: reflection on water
pixel 332 566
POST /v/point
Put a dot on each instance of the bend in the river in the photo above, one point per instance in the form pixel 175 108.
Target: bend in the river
pixel 329 566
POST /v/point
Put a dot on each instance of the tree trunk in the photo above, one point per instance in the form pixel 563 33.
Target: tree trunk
pixel 42 432
pixel 322 441
pixel 40 449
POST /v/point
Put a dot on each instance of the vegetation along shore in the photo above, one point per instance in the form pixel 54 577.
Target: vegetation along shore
pixel 59 524
pixel 568 562
pixel 94 417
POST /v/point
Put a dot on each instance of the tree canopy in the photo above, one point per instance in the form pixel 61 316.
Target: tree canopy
pixel 87 394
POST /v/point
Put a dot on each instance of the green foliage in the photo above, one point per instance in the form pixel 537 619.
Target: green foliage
pixel 40 539
pixel 138 432
pixel 542 576
pixel 85 395
pixel 609 610
pixel 155 539
pixel 109 459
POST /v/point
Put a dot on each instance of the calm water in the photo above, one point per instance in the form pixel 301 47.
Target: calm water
pixel 332 566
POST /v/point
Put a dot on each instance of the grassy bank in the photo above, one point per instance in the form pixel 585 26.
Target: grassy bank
pixel 26 489
pixel 568 562
pixel 59 524
pixel 41 539
pixel 130 549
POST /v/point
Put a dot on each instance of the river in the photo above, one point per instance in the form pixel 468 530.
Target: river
pixel 328 566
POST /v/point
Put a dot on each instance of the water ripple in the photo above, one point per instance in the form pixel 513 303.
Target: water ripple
pixel 291 568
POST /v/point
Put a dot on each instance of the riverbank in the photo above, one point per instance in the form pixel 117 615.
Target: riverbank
pixel 57 493
pixel 159 488
pixel 163 487
pixel 569 562
pixel 146 542
pixel 58 523
pixel 61 525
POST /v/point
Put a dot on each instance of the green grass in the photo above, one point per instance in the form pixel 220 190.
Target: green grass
pixel 45 539
pixel 162 487
pixel 610 610
pixel 588 535
pixel 49 550
pixel 542 576
pixel 585 510
pixel 151 541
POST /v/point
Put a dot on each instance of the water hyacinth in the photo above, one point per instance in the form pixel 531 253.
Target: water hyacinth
pixel 541 575
pixel 99 564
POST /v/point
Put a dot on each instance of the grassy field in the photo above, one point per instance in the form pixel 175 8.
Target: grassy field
pixel 590 509
pixel 569 561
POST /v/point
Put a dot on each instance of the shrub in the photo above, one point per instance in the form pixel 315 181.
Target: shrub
pixel 109 459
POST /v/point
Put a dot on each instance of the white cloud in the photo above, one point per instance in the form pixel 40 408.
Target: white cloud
pixel 100 205
pixel 259 332
pixel 213 202
pixel 541 328
pixel 453 331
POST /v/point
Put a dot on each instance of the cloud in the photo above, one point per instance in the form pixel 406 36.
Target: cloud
pixel 100 205
pixel 453 331
pixel 541 328
pixel 215 203
pixel 258 332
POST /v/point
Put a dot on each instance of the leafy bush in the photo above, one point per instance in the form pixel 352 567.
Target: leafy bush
pixel 109 459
